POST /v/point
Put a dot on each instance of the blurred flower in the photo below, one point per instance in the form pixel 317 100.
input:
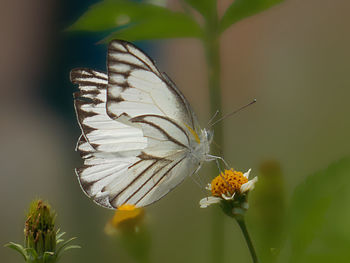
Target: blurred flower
pixel 127 226
pixel 126 218
pixel 231 186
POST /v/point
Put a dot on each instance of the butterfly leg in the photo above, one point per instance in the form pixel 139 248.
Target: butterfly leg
pixel 199 181
pixel 221 173
pixel 218 165
pixel 216 158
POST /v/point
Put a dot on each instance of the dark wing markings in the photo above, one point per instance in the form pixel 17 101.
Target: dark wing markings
pixel 170 138
pixel 133 181
pixel 85 185
pixel 184 101
pixel 118 61
pixel 170 84
pixel 89 83
pixel 144 157
pixel 141 120
pixel 150 178
pixel 80 98
pixel 159 180
pixel 85 154
pixel 86 72
pixel 125 45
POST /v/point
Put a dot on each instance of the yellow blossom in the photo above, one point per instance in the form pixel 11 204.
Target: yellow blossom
pixel 126 217
pixel 226 185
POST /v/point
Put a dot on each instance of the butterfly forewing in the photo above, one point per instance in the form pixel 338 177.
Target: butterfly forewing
pixel 140 89
pixel 97 127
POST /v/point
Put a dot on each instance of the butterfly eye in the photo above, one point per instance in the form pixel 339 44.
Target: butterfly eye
pixel 209 135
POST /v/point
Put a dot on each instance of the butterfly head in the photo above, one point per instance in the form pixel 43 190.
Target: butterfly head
pixel 209 135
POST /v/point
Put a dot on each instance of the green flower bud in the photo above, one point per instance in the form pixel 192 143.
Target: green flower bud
pixel 43 243
pixel 39 231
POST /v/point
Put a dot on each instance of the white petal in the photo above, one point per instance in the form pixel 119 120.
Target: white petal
pixel 246 174
pixel 249 185
pixel 205 202
pixel 228 197
pixel 208 187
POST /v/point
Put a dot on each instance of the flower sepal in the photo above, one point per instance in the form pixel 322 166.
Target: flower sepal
pixel 236 207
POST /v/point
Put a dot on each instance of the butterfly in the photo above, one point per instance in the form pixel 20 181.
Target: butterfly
pixel 140 137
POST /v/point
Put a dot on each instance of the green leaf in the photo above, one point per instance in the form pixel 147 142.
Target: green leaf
pixel 71 247
pixel 137 20
pixel 62 247
pixel 241 9
pixel 204 7
pixel 317 205
pixel 151 29
pixel 59 236
pixel 59 241
pixel 18 248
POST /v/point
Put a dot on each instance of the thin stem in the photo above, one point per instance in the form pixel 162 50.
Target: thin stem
pixel 243 227
pixel 211 43
pixel 215 104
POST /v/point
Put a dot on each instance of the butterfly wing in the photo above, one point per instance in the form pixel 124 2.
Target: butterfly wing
pixel 107 147
pixel 136 87
pixel 135 126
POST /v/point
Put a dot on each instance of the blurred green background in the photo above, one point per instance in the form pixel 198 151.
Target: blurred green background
pixel 294 58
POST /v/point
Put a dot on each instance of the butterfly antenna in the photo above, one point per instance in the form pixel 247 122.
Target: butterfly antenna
pixel 231 113
pixel 212 118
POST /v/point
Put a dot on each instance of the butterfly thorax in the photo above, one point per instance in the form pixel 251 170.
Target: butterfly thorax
pixel 201 149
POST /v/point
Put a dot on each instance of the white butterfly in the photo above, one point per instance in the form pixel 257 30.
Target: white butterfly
pixel 140 137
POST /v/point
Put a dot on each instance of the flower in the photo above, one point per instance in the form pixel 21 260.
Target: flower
pixel 229 186
pixel 43 242
pixel 126 217
pixel 129 228
pixel 39 231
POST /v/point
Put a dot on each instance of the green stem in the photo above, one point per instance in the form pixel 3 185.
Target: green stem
pixel 218 230
pixel 242 225
pixel 211 43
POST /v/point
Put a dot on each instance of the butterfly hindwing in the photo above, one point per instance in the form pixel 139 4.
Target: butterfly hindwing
pixel 108 147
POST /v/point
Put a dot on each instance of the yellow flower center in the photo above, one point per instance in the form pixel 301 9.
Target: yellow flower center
pixel 228 182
